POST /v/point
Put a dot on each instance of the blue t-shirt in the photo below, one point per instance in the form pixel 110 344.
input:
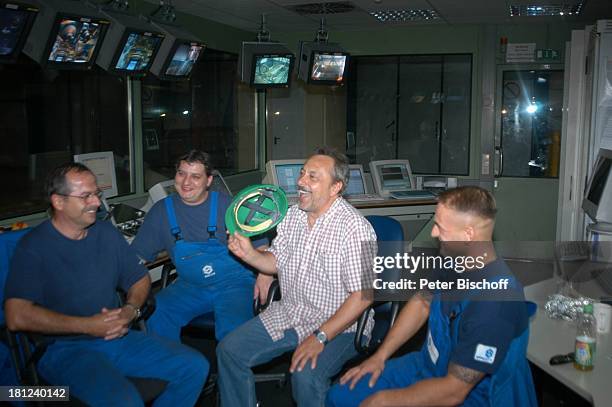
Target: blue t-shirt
pixel 154 235
pixel 73 277
pixel 488 325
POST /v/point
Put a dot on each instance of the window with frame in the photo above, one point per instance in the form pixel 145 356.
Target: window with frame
pixel 212 111
pixel 414 107
pixel 47 116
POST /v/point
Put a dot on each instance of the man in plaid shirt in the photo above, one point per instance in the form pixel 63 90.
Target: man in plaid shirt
pixel 323 256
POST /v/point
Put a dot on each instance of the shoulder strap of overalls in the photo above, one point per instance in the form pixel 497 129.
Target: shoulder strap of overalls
pixel 212 215
pixel 174 227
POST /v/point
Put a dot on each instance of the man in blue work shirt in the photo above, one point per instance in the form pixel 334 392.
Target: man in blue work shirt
pixel 475 351
pixel 63 283
pixel 190 227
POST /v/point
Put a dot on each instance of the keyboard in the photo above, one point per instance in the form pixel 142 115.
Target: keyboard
pixel 364 198
pixel 413 195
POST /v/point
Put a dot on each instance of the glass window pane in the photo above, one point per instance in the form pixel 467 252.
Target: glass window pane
pixel 416 107
pixel 212 111
pixel 48 116
pixel 420 109
pixel 531 123
pixel 457 99
pixel 373 100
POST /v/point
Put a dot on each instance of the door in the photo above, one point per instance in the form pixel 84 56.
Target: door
pixel 528 142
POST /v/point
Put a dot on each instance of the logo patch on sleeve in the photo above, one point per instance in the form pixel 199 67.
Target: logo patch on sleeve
pixel 485 353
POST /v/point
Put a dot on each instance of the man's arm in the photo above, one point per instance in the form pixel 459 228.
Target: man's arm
pixel 24 315
pixel 348 313
pixel 409 321
pixel 450 390
pixel 242 247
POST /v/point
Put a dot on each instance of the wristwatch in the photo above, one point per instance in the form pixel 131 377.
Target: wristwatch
pixel 136 309
pixel 321 336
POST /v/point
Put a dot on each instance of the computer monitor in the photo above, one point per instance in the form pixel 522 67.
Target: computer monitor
pixel 356 184
pixel 390 176
pixel 597 202
pixel 182 59
pixel 15 23
pixel 285 174
pixel 322 63
pixel 327 67
pixel 272 70
pixel 102 164
pixel 136 52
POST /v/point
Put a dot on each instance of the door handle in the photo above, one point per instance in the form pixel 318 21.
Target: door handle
pixel 500 168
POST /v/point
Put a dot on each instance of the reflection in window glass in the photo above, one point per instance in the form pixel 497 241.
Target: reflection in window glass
pixel 212 111
pixel 531 123
pixel 414 107
pixel 48 116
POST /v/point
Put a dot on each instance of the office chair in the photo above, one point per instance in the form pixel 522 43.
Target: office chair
pixel 390 231
pixel 26 349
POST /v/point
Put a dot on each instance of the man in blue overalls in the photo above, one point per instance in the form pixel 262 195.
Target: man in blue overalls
pixel 190 227
pixel 475 351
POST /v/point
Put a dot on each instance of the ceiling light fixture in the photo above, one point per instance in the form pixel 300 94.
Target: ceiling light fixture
pixel 534 10
pixel 386 16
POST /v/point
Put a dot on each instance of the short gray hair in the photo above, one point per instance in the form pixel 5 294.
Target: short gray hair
pixel 340 171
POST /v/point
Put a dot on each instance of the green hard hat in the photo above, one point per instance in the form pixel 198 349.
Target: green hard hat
pixel 256 209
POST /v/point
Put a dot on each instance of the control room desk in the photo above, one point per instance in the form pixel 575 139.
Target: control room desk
pixel 549 337
pixel 412 214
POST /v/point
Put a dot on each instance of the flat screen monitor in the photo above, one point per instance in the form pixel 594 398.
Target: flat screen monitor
pixel 327 68
pixel 15 23
pixel 271 70
pixel 597 202
pixel 285 174
pixel 75 41
pixel 136 52
pixel 391 176
pixel 182 59
pixel 356 184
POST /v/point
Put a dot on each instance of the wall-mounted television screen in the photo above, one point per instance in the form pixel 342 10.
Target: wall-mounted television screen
pixel 137 51
pixel 15 23
pixel 272 70
pixel 75 41
pixel 184 57
pixel 327 67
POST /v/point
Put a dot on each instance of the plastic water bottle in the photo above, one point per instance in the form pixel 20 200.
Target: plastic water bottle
pixel 586 340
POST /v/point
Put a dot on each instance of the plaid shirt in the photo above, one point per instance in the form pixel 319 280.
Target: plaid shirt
pixel 319 268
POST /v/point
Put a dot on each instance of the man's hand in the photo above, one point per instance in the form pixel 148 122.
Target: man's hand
pixel 111 324
pixel 262 286
pixel 373 365
pixel 307 350
pixel 240 245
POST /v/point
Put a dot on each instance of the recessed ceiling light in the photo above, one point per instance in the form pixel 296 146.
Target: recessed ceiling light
pixel 386 16
pixel 534 10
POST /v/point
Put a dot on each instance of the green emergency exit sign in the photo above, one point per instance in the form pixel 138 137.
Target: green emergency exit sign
pixel 547 55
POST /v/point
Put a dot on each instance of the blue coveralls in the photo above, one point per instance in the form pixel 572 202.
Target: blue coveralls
pixel 510 386
pixel 209 280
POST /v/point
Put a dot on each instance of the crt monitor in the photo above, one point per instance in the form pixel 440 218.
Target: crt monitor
pixel 285 174
pixel 356 184
pixel 75 41
pixel 327 67
pixel 597 202
pixel 181 59
pixel 15 24
pixel 271 70
pixel 136 52
pixel 391 176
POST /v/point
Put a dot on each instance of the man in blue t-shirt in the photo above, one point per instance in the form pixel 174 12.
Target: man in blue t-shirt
pixel 190 227
pixel 63 283
pixel 475 350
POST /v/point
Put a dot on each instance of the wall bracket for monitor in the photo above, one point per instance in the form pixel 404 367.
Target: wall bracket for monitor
pixel 322 34
pixel 165 13
pixel 263 35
